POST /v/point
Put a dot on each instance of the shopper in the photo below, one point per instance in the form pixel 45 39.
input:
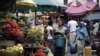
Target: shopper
pixel 61 28
pixel 82 35
pixel 96 37
pixel 72 25
pixel 49 36
pixel 95 28
pixel 60 51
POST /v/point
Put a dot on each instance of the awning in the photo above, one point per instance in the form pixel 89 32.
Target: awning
pixel 93 17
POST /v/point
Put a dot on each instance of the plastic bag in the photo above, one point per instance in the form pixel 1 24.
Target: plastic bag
pixel 73 48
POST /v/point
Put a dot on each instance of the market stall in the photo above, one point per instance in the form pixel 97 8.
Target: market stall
pixel 10 38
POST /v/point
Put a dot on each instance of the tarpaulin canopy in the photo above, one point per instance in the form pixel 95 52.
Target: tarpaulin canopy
pixel 49 2
pixel 93 17
pixel 77 7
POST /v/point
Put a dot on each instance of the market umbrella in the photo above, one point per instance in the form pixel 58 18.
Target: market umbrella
pixel 93 17
pixel 29 3
pixel 49 2
pixel 76 7
pixel 49 5
pixel 25 5
pixel 90 5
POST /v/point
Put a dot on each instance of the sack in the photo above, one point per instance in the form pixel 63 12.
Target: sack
pixel 59 42
pixel 73 48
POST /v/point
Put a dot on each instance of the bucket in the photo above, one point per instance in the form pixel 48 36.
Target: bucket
pixel 59 42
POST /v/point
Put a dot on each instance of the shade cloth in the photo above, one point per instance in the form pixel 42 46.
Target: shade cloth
pixel 93 17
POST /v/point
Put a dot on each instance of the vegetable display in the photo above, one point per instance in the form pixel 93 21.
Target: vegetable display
pixel 17 48
pixel 34 34
pixel 12 28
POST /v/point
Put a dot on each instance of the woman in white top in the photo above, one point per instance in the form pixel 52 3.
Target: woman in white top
pixel 61 29
pixel 49 36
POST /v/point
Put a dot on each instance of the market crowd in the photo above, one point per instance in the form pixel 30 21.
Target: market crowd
pixel 71 36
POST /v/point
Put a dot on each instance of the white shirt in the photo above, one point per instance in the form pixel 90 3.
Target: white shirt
pixel 72 25
pixel 49 28
pixel 96 28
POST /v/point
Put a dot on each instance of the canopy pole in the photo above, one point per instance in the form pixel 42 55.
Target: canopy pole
pixel 35 17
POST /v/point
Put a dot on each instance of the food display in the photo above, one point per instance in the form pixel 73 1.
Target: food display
pixel 11 28
pixel 13 50
pixel 9 43
pixel 17 48
pixel 34 34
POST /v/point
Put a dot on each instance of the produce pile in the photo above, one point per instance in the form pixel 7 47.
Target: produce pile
pixel 17 48
pixel 39 52
pixel 12 29
pixel 35 34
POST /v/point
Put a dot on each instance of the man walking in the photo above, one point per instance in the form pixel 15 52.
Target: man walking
pixel 72 25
